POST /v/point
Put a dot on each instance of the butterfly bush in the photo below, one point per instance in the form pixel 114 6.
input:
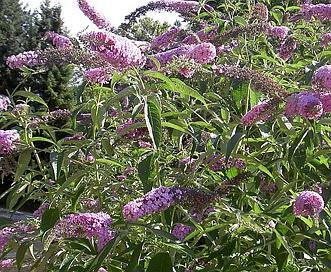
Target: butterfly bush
pixel 9 140
pixel 308 203
pixel 322 78
pixel 58 40
pixel 86 225
pixel 4 102
pixel 165 40
pixel 90 12
pixel 318 11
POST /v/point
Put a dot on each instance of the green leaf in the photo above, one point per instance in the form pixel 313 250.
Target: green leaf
pixel 42 139
pixel 23 162
pixel 184 89
pixel 31 96
pixel 75 177
pixel 145 169
pixel 160 262
pixel 20 253
pixel 296 143
pixel 164 78
pixel 134 260
pixel 233 143
pixel 170 124
pixel 153 122
pixel 56 162
pixel 108 161
pixel 49 219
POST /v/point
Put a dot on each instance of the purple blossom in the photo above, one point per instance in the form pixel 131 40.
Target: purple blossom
pixel 272 224
pixel 90 158
pixel 134 133
pixel 4 103
pixel 319 11
pixel 259 112
pixel 312 245
pixel 20 109
pixel 325 98
pixel 260 12
pixel 99 75
pixel 86 225
pixel 121 177
pixel 322 78
pixel 7 263
pixel 144 144
pixel 130 170
pixel 308 203
pixel 28 58
pixel 8 141
pixel 119 51
pixel 203 53
pixel 58 40
pixel 271 188
pixel 310 107
pixel 40 211
pixel 179 6
pixel 325 39
pixel 164 41
pixel 187 163
pixel 287 48
pixel 156 200
pixel 279 32
pixel 217 162
pixel 180 231
pixel 291 107
pixel 91 204
pixel 90 12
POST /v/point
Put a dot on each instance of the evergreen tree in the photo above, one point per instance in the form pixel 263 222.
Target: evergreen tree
pixel 14 32
pixel 52 85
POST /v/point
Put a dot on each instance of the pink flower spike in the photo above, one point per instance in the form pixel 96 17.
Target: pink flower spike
pixel 90 12
pixel 58 40
pixel 308 203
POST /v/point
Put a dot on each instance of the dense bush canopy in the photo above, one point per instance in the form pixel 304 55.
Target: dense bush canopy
pixel 206 149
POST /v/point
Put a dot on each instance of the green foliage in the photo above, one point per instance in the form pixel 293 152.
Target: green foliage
pixel 153 128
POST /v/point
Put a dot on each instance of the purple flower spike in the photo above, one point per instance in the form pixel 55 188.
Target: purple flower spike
pixel 308 203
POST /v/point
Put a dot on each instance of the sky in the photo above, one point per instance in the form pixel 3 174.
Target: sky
pixel 113 10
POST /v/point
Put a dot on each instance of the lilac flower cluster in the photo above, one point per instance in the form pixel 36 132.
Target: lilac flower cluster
pixel 4 103
pixel 319 11
pixel 86 225
pixel 271 188
pixel 325 39
pixel 156 200
pixel 260 12
pixel 187 164
pixel 279 32
pixel 60 115
pixel 307 104
pixel 133 133
pixel 8 141
pixel 119 51
pixel 144 144
pixel 287 48
pixel 91 204
pixel 28 58
pixel 259 112
pixel 90 12
pixel 40 211
pixel 7 263
pixel 308 203
pixel 58 40
pixel 18 230
pixel 201 53
pixel 322 78
pixel 101 75
pixel 181 231
pixel 164 41
pixel 20 109
pixel 216 162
